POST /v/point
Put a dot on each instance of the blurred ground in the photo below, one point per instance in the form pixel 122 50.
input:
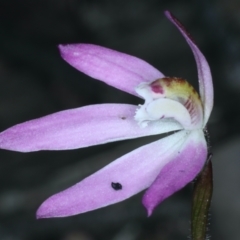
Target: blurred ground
pixel 35 81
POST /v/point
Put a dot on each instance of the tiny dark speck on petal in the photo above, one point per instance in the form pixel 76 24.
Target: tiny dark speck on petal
pixel 116 186
pixel 123 118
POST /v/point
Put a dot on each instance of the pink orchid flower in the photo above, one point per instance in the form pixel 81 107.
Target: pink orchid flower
pixel 162 167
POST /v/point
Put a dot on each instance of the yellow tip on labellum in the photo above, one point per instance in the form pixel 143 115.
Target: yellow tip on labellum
pixel 175 88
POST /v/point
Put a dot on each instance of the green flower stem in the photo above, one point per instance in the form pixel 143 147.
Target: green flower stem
pixel 202 195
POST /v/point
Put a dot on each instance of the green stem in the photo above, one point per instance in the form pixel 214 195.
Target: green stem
pixel 202 195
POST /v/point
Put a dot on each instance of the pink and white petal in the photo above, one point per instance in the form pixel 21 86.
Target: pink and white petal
pixel 80 127
pixel 117 69
pixel 135 172
pixel 188 161
pixel 204 73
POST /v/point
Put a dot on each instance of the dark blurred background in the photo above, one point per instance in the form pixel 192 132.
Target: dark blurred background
pixel 35 82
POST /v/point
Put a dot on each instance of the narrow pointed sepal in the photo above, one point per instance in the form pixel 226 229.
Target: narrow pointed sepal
pixel 204 72
pixel 117 69
pixel 185 164
pixel 80 127
pixel 116 182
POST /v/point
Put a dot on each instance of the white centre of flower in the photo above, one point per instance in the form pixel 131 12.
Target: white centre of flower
pixel 171 98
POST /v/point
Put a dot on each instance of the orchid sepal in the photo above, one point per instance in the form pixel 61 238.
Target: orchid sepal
pixel 187 163
pixel 81 127
pixel 116 69
pixel 204 72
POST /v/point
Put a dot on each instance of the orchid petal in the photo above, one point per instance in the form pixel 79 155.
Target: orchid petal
pixel 204 73
pixel 80 127
pixel 117 69
pixel 183 168
pixel 135 171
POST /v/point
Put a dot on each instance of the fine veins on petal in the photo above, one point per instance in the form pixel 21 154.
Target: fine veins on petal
pixel 204 73
pixel 80 127
pixel 185 165
pixel 117 69
pixel 135 171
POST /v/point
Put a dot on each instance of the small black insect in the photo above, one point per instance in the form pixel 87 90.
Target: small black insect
pixel 116 186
